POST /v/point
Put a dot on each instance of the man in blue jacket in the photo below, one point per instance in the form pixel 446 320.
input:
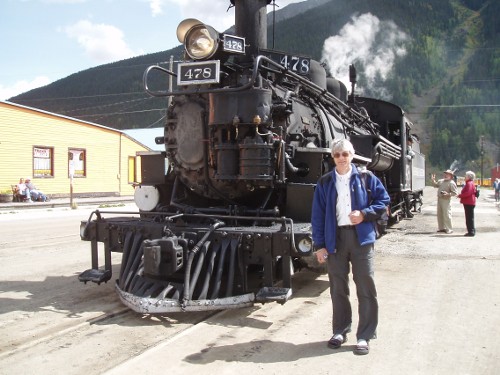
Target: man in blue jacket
pixel 346 205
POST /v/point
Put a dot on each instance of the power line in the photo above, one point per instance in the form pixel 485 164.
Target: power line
pixel 156 122
pixel 109 105
pixel 123 113
pixel 84 97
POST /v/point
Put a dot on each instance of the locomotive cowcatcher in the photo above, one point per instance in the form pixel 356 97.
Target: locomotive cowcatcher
pixel 224 211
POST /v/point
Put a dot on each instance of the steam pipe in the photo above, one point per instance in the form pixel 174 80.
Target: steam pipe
pixel 220 268
pixel 330 125
pixel 232 265
pixel 208 273
pixel 282 161
pixel 197 271
pixel 193 252
pixel 137 260
pixel 126 252
pixel 292 168
pixel 132 254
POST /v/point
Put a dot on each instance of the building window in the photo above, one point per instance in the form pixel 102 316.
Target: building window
pixel 77 166
pixel 43 161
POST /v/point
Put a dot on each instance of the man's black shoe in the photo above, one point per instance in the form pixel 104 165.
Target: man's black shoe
pixel 336 341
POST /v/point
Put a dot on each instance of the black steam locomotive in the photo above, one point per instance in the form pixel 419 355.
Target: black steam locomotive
pixel 224 211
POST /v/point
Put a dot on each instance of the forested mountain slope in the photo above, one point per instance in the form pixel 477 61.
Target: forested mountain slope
pixel 438 59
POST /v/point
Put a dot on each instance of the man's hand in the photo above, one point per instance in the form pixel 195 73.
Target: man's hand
pixel 356 217
pixel 321 255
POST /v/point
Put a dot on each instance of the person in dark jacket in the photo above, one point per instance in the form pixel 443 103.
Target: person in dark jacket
pixel 346 204
pixel 468 199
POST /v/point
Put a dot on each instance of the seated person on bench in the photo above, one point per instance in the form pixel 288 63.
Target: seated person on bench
pixel 36 194
pixel 23 190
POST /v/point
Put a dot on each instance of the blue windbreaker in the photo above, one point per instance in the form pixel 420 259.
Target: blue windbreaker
pixel 324 218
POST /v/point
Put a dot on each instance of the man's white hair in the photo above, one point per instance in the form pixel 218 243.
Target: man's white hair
pixel 342 145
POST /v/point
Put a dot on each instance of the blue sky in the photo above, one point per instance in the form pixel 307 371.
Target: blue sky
pixel 46 40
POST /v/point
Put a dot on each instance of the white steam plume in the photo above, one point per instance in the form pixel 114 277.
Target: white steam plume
pixel 371 44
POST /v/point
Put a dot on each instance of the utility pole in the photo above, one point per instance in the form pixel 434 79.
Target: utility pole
pixel 171 67
pixel 482 157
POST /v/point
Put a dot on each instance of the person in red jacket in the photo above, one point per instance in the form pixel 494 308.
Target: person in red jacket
pixel 468 199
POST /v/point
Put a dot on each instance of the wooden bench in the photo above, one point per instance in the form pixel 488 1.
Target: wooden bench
pixel 17 196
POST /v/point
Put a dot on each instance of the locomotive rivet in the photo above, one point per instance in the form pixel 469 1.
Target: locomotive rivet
pixel 249 236
pixel 259 235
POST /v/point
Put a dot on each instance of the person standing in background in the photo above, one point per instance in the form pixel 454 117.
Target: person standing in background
pixel 468 199
pixel 496 186
pixel 447 188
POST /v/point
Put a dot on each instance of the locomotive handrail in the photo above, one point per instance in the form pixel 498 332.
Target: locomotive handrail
pixel 193 91
pixel 193 215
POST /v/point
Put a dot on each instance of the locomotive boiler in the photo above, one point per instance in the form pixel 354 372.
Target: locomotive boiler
pixel 224 211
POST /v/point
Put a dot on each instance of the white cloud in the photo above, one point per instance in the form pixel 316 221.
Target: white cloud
pixel 156 6
pixel 366 41
pixel 102 43
pixel 22 86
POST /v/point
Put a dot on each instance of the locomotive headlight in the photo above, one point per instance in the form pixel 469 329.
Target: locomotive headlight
pixel 201 42
pixel 305 245
pixel 83 234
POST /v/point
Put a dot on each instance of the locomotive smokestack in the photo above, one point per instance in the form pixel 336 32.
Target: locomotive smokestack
pixel 251 23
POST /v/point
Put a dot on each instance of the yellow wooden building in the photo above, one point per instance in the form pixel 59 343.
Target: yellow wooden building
pixel 56 152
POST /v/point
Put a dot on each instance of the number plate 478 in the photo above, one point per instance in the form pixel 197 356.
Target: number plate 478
pixel 198 73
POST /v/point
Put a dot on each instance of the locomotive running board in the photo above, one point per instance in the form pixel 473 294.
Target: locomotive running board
pixel 147 305
pixel 274 294
pixel 96 276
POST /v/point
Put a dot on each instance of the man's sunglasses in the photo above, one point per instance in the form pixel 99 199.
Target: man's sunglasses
pixel 337 155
